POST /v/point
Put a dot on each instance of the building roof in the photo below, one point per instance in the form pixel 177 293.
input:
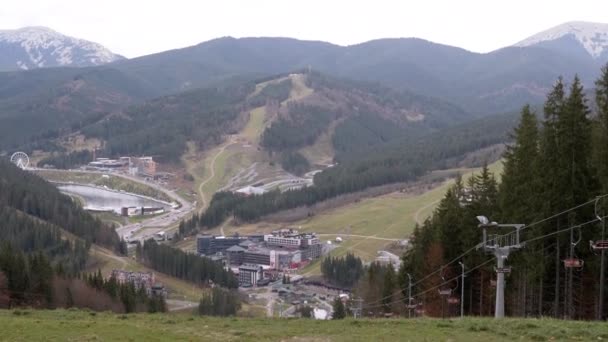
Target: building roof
pixel 249 267
pixel 246 243
pixel 235 248
pixel 251 190
pixel 258 250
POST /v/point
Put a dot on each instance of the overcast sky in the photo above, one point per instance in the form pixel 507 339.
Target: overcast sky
pixel 139 27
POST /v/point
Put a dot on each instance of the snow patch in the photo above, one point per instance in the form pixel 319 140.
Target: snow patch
pixel 593 36
pixel 45 47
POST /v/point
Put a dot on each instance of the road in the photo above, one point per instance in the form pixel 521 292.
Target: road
pixel 420 210
pixel 154 224
pixel 361 236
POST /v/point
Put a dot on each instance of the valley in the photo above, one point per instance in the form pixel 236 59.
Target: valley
pixel 250 188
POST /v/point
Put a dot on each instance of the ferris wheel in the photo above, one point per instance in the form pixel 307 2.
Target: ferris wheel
pixel 20 159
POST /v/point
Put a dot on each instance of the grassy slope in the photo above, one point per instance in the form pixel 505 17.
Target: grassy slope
pixel 392 216
pixel 61 325
pixel 106 261
pixel 228 158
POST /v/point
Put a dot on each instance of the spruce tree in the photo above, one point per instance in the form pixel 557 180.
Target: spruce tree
pixel 550 184
pixel 339 309
pixel 388 289
pixel 520 181
pixel 600 151
pixel 573 129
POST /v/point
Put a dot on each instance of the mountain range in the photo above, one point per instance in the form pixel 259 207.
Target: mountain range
pixel 46 102
pixel 38 47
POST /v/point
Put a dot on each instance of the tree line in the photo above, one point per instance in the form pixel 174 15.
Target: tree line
pixel 219 302
pixel 552 167
pixel 134 299
pixel 342 271
pixel 295 163
pixel 33 280
pixel 397 161
pixel 274 91
pixel 67 161
pixel 182 265
pixel 32 195
pixel 161 127
pixel 300 128
pixel 30 235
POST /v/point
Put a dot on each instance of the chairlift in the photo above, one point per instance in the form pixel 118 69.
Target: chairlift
pixel 575 262
pixel 599 245
pixel 446 291
pixel 453 300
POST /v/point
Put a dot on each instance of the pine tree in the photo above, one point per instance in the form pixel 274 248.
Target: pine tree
pixel 520 181
pixel 339 309
pixel 550 185
pixel 600 151
pixel 574 149
pixel 388 289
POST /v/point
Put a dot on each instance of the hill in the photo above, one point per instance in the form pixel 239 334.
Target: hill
pixel 162 126
pixel 577 38
pixel 50 326
pixel 44 103
pixel 402 160
pixel 40 47
pixel 498 81
pixel 353 115
pixel 38 200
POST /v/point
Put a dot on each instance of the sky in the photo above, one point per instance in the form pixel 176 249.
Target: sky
pixel 139 27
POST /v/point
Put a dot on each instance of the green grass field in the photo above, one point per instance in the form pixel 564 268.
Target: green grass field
pixel 255 126
pixel 75 325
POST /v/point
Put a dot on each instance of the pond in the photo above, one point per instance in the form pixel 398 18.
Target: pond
pixel 100 199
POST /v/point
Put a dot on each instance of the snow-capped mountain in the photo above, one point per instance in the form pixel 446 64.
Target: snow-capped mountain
pixel 38 47
pixel 593 37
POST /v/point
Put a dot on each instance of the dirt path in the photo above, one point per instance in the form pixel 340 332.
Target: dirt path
pixel 420 210
pixel 212 173
pixel 108 254
pixel 373 237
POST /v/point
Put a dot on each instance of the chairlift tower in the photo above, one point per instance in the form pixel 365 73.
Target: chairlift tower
pixel 602 246
pixel 501 246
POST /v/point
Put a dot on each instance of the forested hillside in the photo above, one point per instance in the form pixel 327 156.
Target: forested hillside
pixel 399 161
pixel 494 82
pixel 44 104
pixel 552 176
pixel 162 127
pixel 364 114
pixel 38 106
pixel 32 195
pixel 45 241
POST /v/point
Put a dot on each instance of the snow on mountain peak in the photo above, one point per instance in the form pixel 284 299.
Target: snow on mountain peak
pixel 593 36
pixel 36 47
